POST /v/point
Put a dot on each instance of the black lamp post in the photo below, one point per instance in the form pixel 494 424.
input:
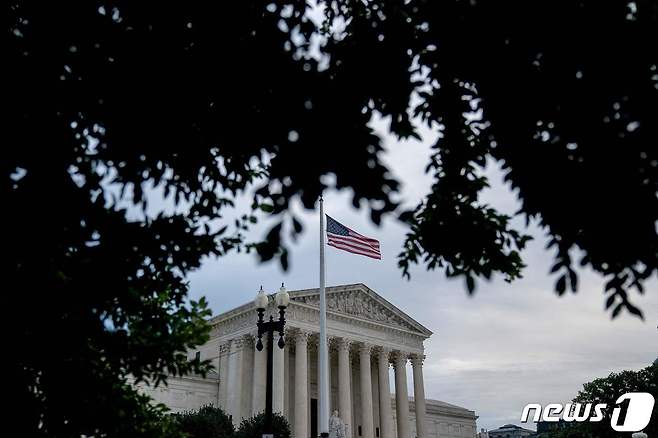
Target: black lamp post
pixel 281 299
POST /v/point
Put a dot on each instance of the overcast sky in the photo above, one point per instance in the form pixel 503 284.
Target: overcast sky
pixel 509 345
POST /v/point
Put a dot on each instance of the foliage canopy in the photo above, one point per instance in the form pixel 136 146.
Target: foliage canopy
pixel 207 422
pixel 255 426
pixel 607 390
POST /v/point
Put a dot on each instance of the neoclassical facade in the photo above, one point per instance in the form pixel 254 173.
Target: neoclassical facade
pixel 367 336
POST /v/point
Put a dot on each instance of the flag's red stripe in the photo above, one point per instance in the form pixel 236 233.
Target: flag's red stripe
pixel 354 247
pixel 356 236
pixel 362 236
pixel 370 254
pixel 373 243
pixel 356 244
pixel 353 240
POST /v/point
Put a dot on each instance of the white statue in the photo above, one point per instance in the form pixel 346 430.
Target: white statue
pixel 336 426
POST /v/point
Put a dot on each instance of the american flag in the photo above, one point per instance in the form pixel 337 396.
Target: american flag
pixel 341 237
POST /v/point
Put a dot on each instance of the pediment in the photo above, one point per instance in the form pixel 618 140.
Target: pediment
pixel 359 301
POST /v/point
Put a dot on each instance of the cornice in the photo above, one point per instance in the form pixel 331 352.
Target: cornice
pixel 247 314
pixel 433 407
pixel 337 316
pixel 372 294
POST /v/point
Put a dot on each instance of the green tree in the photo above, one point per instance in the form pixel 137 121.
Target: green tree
pixel 607 390
pixel 255 426
pixel 105 101
pixel 207 422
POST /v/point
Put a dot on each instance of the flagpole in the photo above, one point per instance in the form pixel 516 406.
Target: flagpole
pixel 324 357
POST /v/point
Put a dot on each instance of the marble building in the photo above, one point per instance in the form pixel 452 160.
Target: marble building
pixel 367 336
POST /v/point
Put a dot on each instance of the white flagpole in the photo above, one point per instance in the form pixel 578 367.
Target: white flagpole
pixel 324 356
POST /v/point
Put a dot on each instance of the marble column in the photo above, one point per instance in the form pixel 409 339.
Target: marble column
pixel 259 379
pixel 401 395
pixel 385 410
pixel 223 375
pixel 301 385
pixel 278 377
pixel 247 364
pixel 367 426
pixel 344 388
pixel 419 395
pixel 286 378
pixel 234 398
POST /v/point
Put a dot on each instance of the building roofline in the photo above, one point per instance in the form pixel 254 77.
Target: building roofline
pixel 331 289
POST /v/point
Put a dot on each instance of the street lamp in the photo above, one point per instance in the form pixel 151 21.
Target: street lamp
pixel 282 299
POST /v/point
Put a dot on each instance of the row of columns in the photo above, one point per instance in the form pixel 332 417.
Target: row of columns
pixel 230 393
